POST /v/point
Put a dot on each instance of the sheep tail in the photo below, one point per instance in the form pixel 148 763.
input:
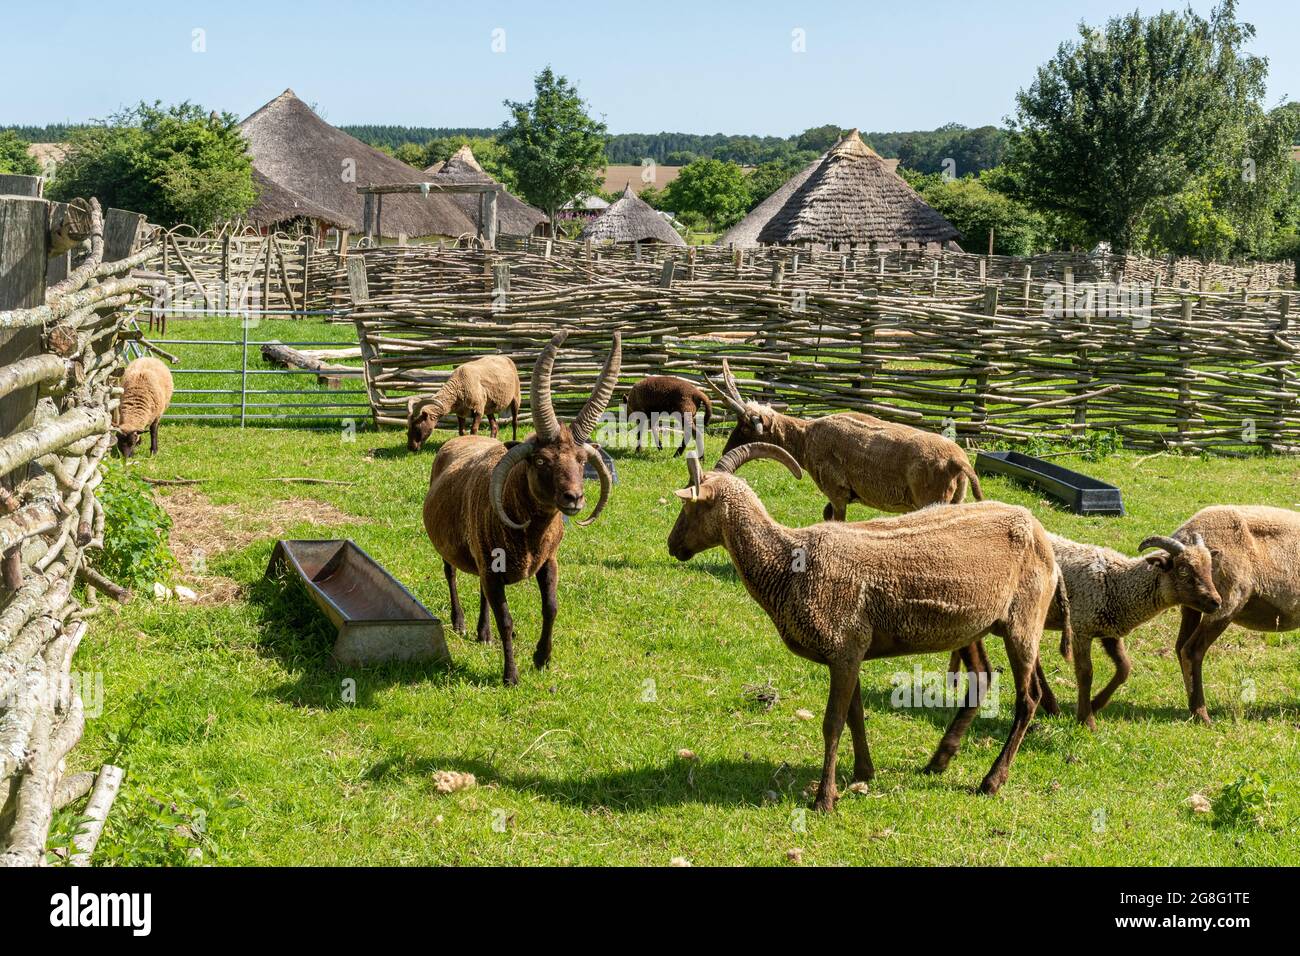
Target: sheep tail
pixel 703 399
pixel 1063 602
pixel 969 470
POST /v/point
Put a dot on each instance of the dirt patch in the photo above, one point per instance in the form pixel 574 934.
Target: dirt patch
pixel 201 530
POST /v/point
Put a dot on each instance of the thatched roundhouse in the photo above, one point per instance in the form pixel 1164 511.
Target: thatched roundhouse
pixel 849 196
pixel 631 219
pixel 514 216
pixel 277 205
pixel 295 149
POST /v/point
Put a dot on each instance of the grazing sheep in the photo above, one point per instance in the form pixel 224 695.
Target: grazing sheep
pixel 855 457
pixel 1256 554
pixel 935 580
pixel 668 395
pixel 482 387
pixel 497 511
pixel 146 393
pixel 1111 594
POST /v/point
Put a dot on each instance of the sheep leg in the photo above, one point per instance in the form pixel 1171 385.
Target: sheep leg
pixel 1186 628
pixel 514 421
pixel 492 424
pixel 977 677
pixel 548 576
pixel 1207 632
pixel 1021 654
pixel 457 615
pixel 844 677
pixel 1083 678
pixel 1115 650
pixel 460 424
pixel 484 630
pixel 1046 697
pixel 495 586
pixel 153 437
pixel 863 770
pixel 475 422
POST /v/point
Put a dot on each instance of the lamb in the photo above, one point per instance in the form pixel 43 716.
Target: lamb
pixel 497 511
pixel 856 457
pixel 668 395
pixel 146 393
pixel 1111 594
pixel 482 387
pixel 1256 553
pixel 935 580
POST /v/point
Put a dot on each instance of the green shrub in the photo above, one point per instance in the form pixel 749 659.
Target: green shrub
pixel 135 531
pixel 1244 803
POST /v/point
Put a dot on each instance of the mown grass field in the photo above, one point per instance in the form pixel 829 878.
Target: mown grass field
pixel 232 721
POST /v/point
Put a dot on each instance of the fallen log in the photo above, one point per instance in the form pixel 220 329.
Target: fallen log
pixel 286 357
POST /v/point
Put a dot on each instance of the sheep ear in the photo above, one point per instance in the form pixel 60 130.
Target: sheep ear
pixel 686 494
pixel 1160 559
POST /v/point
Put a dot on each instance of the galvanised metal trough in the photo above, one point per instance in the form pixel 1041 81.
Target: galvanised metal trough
pixel 377 618
pixel 1081 494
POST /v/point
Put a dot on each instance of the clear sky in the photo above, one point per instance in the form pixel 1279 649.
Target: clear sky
pixel 643 65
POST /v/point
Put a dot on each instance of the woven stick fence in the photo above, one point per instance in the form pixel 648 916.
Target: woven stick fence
pixel 1004 358
pixel 61 348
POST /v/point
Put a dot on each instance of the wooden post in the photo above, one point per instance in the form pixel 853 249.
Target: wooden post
pixel 308 247
pixel 1185 409
pixel 225 271
pixel 266 274
pixel 1286 386
pixel 980 406
pixel 490 219
pixel 666 275
pixel 1029 271
pixel 24 249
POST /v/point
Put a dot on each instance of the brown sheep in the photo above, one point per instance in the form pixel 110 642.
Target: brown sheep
pixel 856 457
pixel 1256 553
pixel 934 580
pixel 146 393
pixel 497 512
pixel 476 389
pixel 667 395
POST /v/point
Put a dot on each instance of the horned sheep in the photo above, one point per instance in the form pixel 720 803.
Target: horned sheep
pixel 146 393
pixel 857 457
pixel 668 395
pixel 497 511
pixel 934 580
pixel 481 388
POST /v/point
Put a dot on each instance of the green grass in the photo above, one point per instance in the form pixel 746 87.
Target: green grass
pixel 237 709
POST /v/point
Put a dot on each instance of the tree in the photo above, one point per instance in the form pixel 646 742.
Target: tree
pixel 974 208
pixel 818 139
pixel 13 156
pixel 412 154
pixel 176 165
pixel 555 148
pixel 711 190
pixel 1133 113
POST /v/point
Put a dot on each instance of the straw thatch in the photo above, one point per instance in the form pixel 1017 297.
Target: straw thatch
pixel 514 216
pixel 296 149
pixel 850 195
pixel 276 204
pixel 631 219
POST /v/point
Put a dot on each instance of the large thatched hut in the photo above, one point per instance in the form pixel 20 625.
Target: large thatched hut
pixel 848 196
pixel 277 206
pixel 514 216
pixel 631 219
pixel 295 149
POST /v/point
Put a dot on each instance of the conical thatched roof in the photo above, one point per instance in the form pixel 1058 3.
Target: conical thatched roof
pixel 631 219
pixel 848 195
pixel 276 203
pixel 514 216
pixel 294 148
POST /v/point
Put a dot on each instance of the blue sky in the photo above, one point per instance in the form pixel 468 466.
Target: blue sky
pixel 701 67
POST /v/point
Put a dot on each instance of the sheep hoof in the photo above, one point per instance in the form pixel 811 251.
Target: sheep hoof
pixel 510 678
pixel 823 804
pixel 540 660
pixel 1202 715
pixel 990 786
pixel 937 764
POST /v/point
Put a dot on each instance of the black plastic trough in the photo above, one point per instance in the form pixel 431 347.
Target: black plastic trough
pixel 1081 494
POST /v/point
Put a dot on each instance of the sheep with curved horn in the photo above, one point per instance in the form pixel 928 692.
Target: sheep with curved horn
pixel 856 457
pixel 497 511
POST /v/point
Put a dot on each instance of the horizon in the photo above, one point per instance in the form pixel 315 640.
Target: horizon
pixel 852 70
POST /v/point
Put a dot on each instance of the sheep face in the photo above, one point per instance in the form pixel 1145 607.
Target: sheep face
pixel 127 442
pixel 419 429
pixel 699 523
pixel 753 425
pixel 555 473
pixel 1187 578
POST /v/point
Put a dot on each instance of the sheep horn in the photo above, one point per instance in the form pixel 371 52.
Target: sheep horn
pixel 587 418
pixel 696 472
pixel 730 381
pixel 1172 545
pixel 732 460
pixel 598 462
pixel 544 418
pixel 500 473
pixel 735 405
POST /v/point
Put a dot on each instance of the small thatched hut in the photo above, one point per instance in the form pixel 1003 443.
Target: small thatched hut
pixel 514 216
pixel 631 219
pixel 849 196
pixel 295 149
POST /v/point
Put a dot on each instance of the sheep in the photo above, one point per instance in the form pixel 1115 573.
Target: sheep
pixel 146 393
pixel 1111 594
pixel 482 387
pixel 668 395
pixel 497 511
pixel 1256 552
pixel 856 457
pixel 839 594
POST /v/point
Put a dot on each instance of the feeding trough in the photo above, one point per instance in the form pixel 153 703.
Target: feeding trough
pixel 377 618
pixel 589 472
pixel 1083 495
